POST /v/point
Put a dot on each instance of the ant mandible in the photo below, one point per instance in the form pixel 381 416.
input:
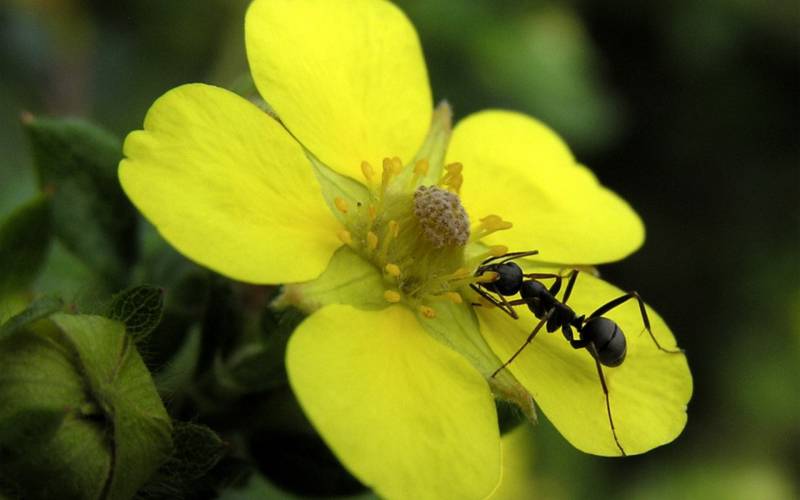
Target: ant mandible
pixel 599 335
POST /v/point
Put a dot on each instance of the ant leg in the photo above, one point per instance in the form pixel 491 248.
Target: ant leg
pixel 573 276
pixel 608 404
pixel 503 306
pixel 580 344
pixel 527 341
pixel 509 256
pixel 621 300
pixel 518 255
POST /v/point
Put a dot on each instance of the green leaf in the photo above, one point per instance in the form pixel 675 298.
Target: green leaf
pixel 24 240
pixel 77 162
pixel 140 308
pixel 196 451
pixel 40 308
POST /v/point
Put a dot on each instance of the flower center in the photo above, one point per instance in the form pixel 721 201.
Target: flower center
pixel 416 234
pixel 443 220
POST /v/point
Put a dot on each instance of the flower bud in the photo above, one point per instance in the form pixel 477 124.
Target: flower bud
pixel 79 413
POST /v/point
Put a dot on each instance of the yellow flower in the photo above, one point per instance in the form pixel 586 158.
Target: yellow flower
pixel 363 199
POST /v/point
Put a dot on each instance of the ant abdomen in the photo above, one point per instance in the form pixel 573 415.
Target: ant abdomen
pixel 608 340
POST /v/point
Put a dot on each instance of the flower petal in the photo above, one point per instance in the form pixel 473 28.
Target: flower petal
pixel 516 167
pixel 648 392
pixel 407 416
pixel 518 466
pixel 347 78
pixel 228 187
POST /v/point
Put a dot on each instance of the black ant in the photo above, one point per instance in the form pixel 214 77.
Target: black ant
pixel 599 335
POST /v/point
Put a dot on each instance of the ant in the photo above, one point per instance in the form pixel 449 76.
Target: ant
pixel 599 335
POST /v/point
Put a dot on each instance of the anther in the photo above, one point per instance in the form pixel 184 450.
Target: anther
pixel 345 237
pixel 420 170
pixel 489 225
pixel 487 277
pixel 372 241
pixel 497 250
pixel 341 204
pixel 421 167
pixel 367 170
pixel 392 296
pixel 391 167
pixel 394 228
pixel 454 168
pixel 428 312
pixel 453 297
pixel 397 164
pixel 392 270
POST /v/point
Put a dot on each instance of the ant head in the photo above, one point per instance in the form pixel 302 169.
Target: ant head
pixel 509 278
pixel 608 339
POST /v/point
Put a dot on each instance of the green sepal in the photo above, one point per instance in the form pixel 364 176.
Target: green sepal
pixel 24 240
pixel 139 308
pixel 38 309
pixel 77 163
pixel 434 148
pixel 456 326
pixel 335 185
pixel 103 429
pixel 348 279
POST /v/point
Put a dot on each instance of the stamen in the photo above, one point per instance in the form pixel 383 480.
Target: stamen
pixel 453 297
pixel 493 251
pixel 345 236
pixel 372 241
pixel 392 229
pixel 341 204
pixel 391 167
pixel 454 168
pixel 428 312
pixel 489 225
pixel 420 170
pixel 368 171
pixel 487 277
pixel 392 270
pixel 392 296
pixel 397 164
pixel 497 250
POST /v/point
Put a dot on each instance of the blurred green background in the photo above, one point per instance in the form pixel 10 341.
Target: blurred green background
pixel 687 109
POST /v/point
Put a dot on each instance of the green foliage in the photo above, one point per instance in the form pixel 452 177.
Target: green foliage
pixel 76 162
pixel 38 309
pixel 24 240
pixel 87 418
pixel 196 450
pixel 139 308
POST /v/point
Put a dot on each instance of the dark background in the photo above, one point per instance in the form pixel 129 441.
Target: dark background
pixel 689 110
